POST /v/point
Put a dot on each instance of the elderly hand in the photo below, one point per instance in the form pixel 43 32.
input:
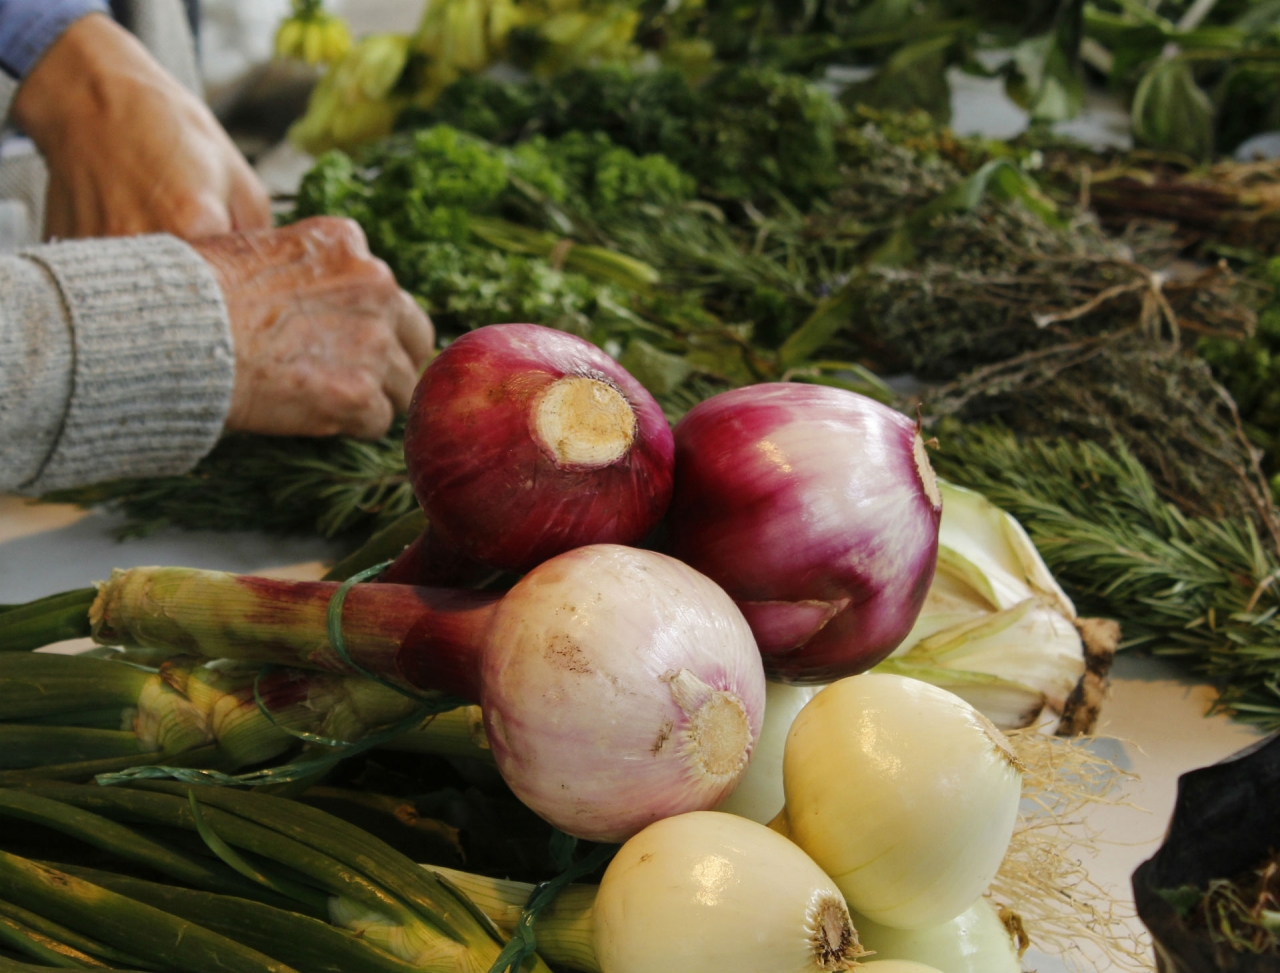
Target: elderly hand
pixel 129 149
pixel 325 342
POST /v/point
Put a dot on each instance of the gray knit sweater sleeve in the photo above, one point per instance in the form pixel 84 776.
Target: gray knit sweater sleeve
pixel 115 360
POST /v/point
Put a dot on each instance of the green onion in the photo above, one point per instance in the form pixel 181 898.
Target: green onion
pixel 46 620
pixel 38 924
pixel 25 940
pixel 121 922
pixel 113 837
pixel 303 942
pixel 35 684
pixel 386 895
pixel 29 746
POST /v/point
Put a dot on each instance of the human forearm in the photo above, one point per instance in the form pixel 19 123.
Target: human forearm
pixel 115 360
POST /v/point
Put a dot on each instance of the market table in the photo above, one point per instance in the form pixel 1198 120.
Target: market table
pixel 1155 717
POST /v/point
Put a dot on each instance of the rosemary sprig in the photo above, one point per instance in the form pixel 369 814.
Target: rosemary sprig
pixel 1200 589
pixel 323 486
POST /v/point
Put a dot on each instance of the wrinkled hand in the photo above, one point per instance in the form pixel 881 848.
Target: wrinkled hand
pixel 325 342
pixel 129 149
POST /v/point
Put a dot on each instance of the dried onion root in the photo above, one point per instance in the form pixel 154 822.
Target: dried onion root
pixel 1043 890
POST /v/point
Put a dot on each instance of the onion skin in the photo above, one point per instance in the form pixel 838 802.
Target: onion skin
pixel 502 489
pixel 817 511
pixel 561 707
pixel 619 686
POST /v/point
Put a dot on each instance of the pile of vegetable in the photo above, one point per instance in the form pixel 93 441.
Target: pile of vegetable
pixel 621 697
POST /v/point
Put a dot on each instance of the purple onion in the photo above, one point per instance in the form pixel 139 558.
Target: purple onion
pixel 816 509
pixel 523 442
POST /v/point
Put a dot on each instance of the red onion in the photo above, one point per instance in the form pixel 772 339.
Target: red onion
pixel 817 510
pixel 619 686
pixel 524 442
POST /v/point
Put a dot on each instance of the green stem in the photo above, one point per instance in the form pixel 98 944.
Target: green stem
pixel 384 545
pixel 68 937
pixel 456 733
pixel 36 684
pixel 564 928
pixel 207 757
pixel 24 746
pixel 112 837
pixel 46 620
pixel 123 923
pixel 306 943
pixel 27 941
pixel 172 810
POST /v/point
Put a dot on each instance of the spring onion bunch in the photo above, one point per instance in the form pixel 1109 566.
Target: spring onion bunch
pixel 271 854
pixel 75 716
pixel 618 686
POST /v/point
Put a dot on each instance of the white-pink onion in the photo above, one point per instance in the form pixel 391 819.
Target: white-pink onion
pixel 817 510
pixel 619 686
pixel 523 442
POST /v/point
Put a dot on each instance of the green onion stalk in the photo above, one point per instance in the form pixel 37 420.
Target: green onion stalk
pixel 287 884
pixel 98 715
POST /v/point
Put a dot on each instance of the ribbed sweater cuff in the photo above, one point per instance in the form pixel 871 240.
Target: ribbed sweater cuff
pixel 153 362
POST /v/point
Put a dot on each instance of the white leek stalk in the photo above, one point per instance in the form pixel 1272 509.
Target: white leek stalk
pixel 903 793
pixel 759 795
pixel 897 966
pixel 997 630
pixel 976 941
pixel 690 893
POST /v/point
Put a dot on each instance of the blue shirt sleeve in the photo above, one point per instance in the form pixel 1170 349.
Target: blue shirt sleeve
pixel 28 28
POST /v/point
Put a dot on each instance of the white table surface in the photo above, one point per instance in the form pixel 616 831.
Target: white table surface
pixel 1155 715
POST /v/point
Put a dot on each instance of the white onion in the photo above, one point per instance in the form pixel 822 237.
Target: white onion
pixel 710 891
pixel 759 795
pixel 903 793
pixel 976 941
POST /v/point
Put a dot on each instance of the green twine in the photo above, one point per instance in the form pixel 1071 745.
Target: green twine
pixel 524 943
pixel 297 770
pixel 333 623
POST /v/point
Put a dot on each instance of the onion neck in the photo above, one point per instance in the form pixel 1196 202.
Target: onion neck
pixel 564 930
pixel 420 638
pixel 433 559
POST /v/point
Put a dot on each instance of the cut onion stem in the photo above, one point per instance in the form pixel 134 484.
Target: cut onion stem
pixel 251 716
pixel 618 686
